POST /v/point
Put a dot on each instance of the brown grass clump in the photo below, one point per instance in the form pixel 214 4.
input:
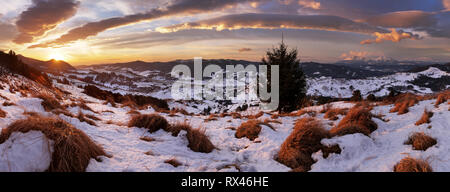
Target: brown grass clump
pixel 198 141
pixel 404 102
pixel 73 149
pixel 357 120
pixel 249 129
pixel 296 150
pixel 211 117
pixel 442 98
pixel 152 122
pixel 93 117
pixel 173 162
pixel 256 116
pixel 409 164
pixel 2 113
pixel 420 141
pixel 64 112
pixel 332 113
pixel 425 117
pixel 177 127
pixel 326 107
pixel 7 103
pixel 147 139
pixel 49 102
pixel 83 118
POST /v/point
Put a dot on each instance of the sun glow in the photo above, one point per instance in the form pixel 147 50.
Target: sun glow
pixel 57 56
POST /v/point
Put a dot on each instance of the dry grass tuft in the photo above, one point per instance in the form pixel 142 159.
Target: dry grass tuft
pixel 442 98
pixel 173 162
pixel 179 126
pixel 409 164
pixel 49 102
pixel 304 140
pixel 326 107
pixel 83 118
pixel 404 102
pixel 211 117
pixel 255 116
pixel 420 141
pixel 152 122
pixel 357 120
pixel 332 113
pixel 73 149
pixel 425 117
pixel 249 129
pixel 147 139
pixel 64 112
pixel 198 141
pixel 2 113
pixel 7 103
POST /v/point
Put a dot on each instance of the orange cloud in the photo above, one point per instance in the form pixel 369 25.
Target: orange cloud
pixel 446 4
pixel 309 4
pixel 276 21
pixel 181 7
pixel 394 36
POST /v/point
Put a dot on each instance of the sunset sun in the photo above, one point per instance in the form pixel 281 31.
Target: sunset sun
pixel 57 56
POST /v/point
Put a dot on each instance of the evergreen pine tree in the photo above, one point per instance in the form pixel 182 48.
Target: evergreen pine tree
pixel 292 79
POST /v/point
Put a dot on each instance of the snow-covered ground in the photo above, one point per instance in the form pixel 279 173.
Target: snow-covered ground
pixel 379 152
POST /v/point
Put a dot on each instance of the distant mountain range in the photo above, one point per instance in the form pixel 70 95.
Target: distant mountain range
pixel 47 66
pixel 343 69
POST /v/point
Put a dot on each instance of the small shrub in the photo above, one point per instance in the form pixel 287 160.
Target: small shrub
pixel 425 117
pixel 198 141
pixel 409 164
pixel 357 120
pixel 356 96
pixel 73 149
pixel 420 141
pixel 152 122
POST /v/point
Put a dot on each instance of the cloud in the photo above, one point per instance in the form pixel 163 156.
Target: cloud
pixel 446 4
pixel 244 50
pixel 404 19
pixel 309 4
pixel 275 21
pixel 7 31
pixel 43 16
pixel 361 55
pixel 394 36
pixel 180 7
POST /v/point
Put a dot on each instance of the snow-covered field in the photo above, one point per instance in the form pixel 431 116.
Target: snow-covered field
pixel 379 152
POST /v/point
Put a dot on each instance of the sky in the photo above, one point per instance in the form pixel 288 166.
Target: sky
pixel 85 32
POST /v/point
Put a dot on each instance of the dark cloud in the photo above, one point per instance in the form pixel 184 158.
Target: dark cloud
pixel 244 50
pixel 404 19
pixel 43 16
pixel 274 21
pixel 7 31
pixel 178 7
pixel 435 24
